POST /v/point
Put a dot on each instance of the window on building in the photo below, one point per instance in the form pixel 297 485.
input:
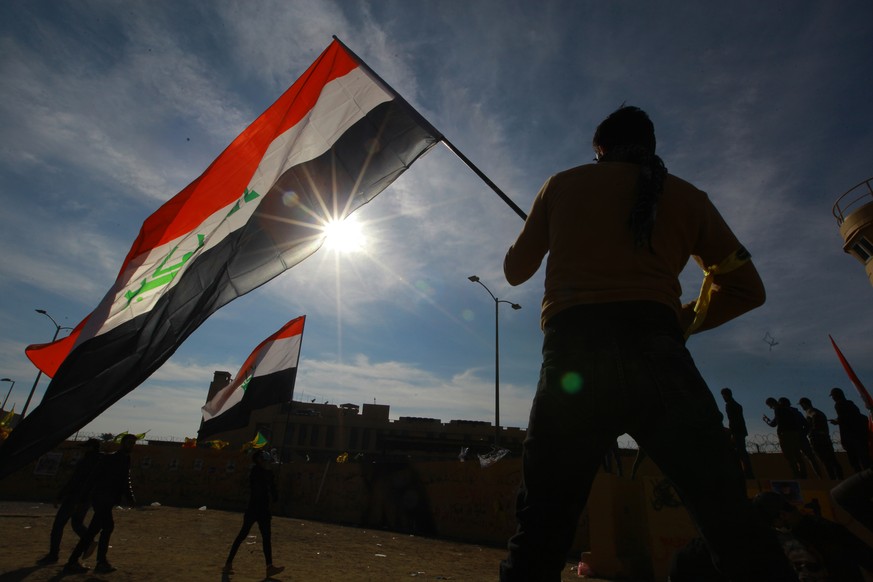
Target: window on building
pixel 864 248
pixel 313 436
pixel 353 438
pixel 365 442
pixel 301 435
pixel 329 436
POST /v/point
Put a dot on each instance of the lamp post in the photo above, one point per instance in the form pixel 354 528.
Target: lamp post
pixel 58 328
pixel 497 303
pixel 3 407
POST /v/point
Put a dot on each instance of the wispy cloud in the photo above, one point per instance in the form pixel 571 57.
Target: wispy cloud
pixel 106 113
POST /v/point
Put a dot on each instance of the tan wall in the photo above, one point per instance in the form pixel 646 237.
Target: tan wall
pixel 636 534
pixel 448 499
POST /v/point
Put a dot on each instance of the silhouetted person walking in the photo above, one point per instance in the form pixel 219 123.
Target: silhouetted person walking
pixel 74 498
pixel 617 235
pixel 853 430
pixel 805 446
pixel 262 490
pixel 111 485
pixel 820 439
pixel 788 431
pixel 737 427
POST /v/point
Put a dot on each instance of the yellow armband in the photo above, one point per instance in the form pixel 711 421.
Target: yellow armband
pixel 735 260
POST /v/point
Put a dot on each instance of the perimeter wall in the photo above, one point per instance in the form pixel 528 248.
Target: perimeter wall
pixel 630 529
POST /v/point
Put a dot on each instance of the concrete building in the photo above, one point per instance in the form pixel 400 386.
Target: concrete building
pixel 313 431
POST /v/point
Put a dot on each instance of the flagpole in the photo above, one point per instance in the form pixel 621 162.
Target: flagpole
pixel 290 402
pixel 484 178
pixel 438 134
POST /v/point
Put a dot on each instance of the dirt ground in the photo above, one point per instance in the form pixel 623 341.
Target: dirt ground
pixel 168 544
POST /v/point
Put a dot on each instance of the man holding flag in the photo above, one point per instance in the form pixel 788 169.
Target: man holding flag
pixel 617 234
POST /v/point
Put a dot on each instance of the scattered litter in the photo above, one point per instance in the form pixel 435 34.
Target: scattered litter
pixel 495 454
pixel 155 504
pixel 27 527
pixel 380 555
pixel 419 573
pixel 202 508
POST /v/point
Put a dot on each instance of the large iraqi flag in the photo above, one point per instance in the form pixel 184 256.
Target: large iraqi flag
pixel 329 144
pixel 266 377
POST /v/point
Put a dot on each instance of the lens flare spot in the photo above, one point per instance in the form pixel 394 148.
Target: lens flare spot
pixel 571 382
pixel 468 315
pixel 290 199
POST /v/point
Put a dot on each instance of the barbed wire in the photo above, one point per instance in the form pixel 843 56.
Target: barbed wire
pixel 769 443
pixel 757 443
pixel 102 436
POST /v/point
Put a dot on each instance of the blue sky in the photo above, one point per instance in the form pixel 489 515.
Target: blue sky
pixel 108 109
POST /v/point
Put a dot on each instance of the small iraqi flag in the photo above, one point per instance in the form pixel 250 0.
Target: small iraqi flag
pixel 266 377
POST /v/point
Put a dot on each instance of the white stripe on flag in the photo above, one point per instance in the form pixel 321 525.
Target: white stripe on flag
pixel 342 103
pixel 280 354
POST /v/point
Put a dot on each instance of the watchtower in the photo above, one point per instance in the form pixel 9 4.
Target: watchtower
pixel 854 213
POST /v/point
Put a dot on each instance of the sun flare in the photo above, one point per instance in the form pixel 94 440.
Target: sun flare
pixel 344 236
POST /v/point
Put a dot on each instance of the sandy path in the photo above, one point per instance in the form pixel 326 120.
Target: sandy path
pixel 168 544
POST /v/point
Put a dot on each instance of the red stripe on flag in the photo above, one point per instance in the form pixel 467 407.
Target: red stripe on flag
pixel 220 184
pixel 226 178
pixel 290 329
pixel 49 357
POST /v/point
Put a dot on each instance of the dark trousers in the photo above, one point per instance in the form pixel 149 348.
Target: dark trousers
pixel 790 443
pixel 857 452
pixel 806 449
pixel 103 523
pixel 739 442
pixel 623 368
pixel 262 518
pixel 824 450
pixel 70 511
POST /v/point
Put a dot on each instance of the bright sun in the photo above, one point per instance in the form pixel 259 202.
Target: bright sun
pixel 344 236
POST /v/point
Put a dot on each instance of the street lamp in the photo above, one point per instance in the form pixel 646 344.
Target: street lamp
pixel 3 407
pixel 58 328
pixel 497 303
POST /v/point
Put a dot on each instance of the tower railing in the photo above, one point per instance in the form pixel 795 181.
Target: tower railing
pixel 852 199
